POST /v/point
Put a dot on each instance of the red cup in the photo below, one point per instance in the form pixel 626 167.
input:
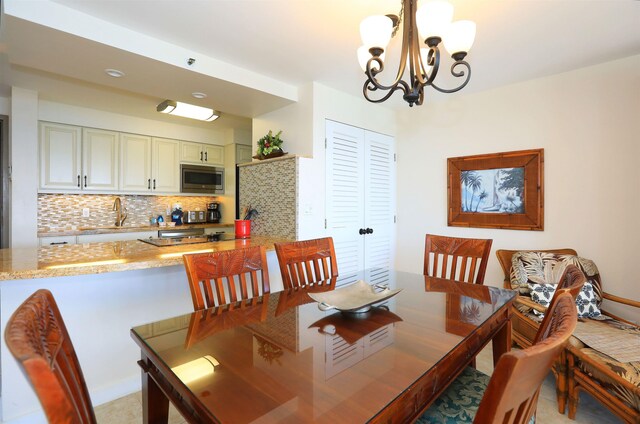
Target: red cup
pixel 243 228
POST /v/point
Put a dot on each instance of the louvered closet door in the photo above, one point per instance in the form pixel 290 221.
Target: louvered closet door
pixel 360 195
pixel 345 194
pixel 379 211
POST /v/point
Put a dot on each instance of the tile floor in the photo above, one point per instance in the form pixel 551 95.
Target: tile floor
pixel 128 410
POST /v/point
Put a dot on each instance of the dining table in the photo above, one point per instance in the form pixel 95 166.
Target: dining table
pixel 284 357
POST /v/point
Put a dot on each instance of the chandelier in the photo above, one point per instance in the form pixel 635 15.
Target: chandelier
pixel 423 31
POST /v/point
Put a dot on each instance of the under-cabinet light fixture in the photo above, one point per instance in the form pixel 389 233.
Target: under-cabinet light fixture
pixel 188 111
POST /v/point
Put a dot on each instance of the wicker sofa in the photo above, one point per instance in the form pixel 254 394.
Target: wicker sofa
pixel 614 383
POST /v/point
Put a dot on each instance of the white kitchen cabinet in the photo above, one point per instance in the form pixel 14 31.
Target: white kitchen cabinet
pixel 57 240
pixel 360 197
pixel 60 154
pixel 74 159
pixel 243 153
pixel 135 162
pixel 165 165
pixel 149 165
pixel 201 154
pixel 98 238
pixel 99 159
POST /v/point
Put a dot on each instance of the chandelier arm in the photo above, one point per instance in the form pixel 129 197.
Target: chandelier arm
pixel 366 89
pixel 371 73
pixel 370 85
pixel 433 59
pixel 457 75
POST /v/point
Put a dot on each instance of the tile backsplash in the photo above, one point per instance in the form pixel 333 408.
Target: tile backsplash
pixel 271 186
pixel 60 211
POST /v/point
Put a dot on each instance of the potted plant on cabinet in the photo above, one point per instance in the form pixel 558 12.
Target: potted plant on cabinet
pixel 269 146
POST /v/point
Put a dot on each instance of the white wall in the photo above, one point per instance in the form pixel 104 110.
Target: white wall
pixel 23 150
pixel 587 122
pixel 5 105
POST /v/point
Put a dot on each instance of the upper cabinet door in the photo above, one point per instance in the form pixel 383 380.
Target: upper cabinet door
pixel 60 156
pixel 99 159
pixel 135 162
pixel 243 153
pixel 165 168
pixel 191 153
pixel 213 155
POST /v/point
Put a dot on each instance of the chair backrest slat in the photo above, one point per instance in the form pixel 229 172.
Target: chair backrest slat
pixel 37 337
pixel 472 254
pixel 307 262
pixel 217 274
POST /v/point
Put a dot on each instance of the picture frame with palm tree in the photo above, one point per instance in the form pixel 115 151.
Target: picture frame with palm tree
pixel 497 190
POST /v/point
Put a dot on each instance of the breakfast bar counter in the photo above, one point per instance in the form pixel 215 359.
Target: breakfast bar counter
pixel 103 290
pixel 97 258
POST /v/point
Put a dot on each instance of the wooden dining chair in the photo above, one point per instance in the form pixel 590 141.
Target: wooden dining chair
pixel 37 337
pixel 307 262
pixel 510 395
pixel 456 258
pixel 216 278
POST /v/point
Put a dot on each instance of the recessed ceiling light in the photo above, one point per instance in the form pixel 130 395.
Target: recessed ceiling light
pixel 114 73
pixel 199 95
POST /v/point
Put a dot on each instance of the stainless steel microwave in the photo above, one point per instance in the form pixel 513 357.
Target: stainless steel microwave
pixel 201 179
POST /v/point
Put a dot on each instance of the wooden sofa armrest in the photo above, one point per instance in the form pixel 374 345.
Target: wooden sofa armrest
pixel 622 300
pixel 526 301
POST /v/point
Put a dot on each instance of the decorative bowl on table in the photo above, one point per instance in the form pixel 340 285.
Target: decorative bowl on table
pixel 354 298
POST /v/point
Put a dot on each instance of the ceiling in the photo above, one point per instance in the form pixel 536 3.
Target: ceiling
pixel 252 55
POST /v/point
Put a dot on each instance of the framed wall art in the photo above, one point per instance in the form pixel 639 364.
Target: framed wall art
pixel 497 190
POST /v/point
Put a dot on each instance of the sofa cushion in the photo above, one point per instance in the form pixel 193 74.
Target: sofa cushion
pixel 586 302
pixel 628 371
pixel 547 268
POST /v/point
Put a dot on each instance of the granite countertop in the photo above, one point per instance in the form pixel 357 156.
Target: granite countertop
pixel 80 231
pixel 97 258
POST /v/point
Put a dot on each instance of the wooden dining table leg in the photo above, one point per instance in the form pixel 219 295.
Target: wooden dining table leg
pixel 502 341
pixel 155 405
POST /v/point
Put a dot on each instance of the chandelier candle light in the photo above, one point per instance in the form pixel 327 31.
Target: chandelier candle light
pixel 423 31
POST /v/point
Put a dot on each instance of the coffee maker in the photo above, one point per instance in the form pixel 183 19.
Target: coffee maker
pixel 213 212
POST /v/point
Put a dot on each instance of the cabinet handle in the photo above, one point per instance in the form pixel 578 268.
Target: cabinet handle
pixel 58 242
pixel 78 180
pixel 362 231
pixel 369 230
pixel 154 183
pixel 85 180
pixel 200 156
pixel 149 184
pixel 205 156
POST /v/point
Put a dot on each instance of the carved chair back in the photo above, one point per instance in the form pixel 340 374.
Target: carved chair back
pixel 512 393
pixel 37 337
pixel 456 258
pixel 228 276
pixel 307 262
pixel 571 282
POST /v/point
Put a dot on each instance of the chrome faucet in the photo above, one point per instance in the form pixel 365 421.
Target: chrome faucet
pixel 117 206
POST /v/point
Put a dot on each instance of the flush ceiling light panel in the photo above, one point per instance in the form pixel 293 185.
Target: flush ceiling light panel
pixel 188 111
